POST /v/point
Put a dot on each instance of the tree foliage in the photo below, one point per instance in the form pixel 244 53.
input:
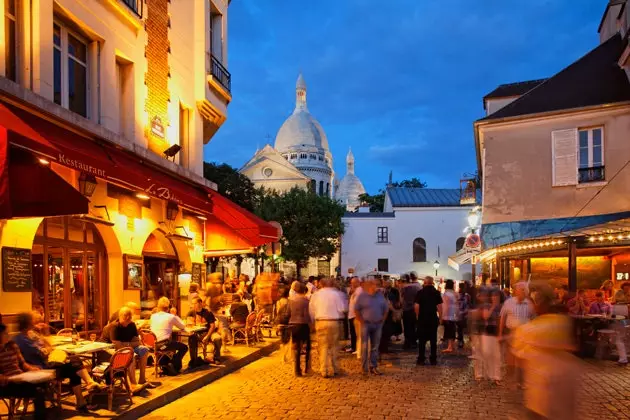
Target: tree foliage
pixel 311 224
pixel 233 185
pixel 377 201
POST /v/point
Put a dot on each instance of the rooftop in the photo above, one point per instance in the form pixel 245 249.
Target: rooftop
pixel 513 89
pixel 594 79
pixel 426 197
pixel 368 214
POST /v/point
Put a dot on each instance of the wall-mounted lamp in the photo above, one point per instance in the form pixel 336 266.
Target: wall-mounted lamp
pixel 142 196
pixel 436 265
pixel 200 217
pixel 87 184
pixel 44 161
pixel 172 209
pixel 172 151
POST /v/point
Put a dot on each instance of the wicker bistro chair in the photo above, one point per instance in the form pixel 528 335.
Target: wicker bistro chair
pixel 150 340
pixel 263 322
pixel 65 332
pixel 245 332
pixel 115 375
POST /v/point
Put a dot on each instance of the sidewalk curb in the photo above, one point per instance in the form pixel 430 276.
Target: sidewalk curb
pixel 175 394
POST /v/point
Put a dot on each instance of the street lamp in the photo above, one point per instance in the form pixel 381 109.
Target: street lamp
pixel 473 220
pixel 436 265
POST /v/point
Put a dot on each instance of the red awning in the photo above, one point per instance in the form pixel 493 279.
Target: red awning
pixel 128 169
pixel 30 189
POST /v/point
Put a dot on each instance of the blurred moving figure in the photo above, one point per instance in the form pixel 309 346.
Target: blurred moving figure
pixel 551 371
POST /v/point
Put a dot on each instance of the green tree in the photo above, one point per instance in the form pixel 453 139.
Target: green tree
pixel 233 185
pixel 377 201
pixel 311 224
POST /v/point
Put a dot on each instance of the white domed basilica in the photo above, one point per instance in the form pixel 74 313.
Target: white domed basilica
pixel 300 155
pixel 350 187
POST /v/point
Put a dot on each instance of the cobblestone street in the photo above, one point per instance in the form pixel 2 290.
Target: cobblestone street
pixel 267 389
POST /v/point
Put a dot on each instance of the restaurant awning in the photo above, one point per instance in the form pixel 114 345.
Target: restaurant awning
pixel 463 256
pixel 498 234
pixel 124 168
pixel 31 189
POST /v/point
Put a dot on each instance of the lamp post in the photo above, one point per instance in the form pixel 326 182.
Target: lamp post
pixel 436 265
pixel 473 225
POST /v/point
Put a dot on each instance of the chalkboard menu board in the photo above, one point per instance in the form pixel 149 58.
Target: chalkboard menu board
pixel 16 270
pixel 196 273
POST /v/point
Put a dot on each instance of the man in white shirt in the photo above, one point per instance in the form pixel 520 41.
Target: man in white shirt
pixel 162 323
pixel 328 308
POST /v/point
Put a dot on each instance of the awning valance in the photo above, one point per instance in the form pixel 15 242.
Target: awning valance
pixel 498 234
pixel 463 256
pixel 30 189
pixel 111 163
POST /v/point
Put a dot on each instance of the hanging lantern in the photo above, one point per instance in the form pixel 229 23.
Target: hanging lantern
pixel 87 184
pixel 172 209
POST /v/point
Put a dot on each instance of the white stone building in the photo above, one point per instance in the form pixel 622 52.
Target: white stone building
pixel 417 227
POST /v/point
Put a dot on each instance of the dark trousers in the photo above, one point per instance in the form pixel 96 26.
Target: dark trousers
pixel 194 340
pixel 427 331
pixel 180 350
pixel 353 335
pixel 301 335
pixel 386 335
pixel 346 330
pixel 68 371
pixel 409 327
pixel 461 329
pixel 30 391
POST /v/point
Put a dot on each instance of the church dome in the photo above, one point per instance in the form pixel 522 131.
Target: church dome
pixel 350 187
pixel 301 129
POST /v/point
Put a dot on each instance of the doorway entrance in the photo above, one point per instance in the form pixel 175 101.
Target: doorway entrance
pixel 161 267
pixel 69 263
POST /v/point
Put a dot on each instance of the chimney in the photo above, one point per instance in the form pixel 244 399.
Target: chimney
pixel 364 208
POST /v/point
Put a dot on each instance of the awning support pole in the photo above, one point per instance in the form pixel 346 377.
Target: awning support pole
pixel 572 264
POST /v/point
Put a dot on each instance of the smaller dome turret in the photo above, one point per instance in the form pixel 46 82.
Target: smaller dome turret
pixel 350 187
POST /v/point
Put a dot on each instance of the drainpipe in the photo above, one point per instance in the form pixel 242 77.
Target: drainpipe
pixel 98 81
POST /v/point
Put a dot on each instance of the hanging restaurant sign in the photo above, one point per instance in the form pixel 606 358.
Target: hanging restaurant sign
pixel 157 128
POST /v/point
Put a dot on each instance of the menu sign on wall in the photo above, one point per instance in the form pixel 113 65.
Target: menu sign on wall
pixel 196 273
pixel 16 270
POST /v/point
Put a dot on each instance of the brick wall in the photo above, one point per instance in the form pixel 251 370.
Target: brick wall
pixel 157 75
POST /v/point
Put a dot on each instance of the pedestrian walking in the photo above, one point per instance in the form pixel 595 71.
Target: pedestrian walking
pixel 328 307
pixel 299 321
pixel 408 296
pixel 463 300
pixel 490 345
pixel 427 305
pixel 355 291
pixel 371 309
pixel 449 314
pixel 477 329
pixel 282 325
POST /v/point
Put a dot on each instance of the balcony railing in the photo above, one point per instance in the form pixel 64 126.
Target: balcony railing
pixel 593 174
pixel 219 72
pixel 136 6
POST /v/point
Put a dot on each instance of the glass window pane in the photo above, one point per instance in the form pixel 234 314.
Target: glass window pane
pixel 583 138
pixel 93 293
pixel 55 288
pixel 10 52
pixel 57 76
pixel 597 137
pixel 39 279
pixel 597 155
pixel 77 48
pixel 77 286
pixel 77 87
pixel 583 157
pixel 57 35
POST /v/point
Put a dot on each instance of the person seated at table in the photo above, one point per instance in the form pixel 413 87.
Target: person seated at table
pixel 202 316
pixel 135 311
pixel 124 333
pixel 238 310
pixel 599 307
pixel 162 323
pixel 12 363
pixel 36 352
pixel 623 295
pixel 578 305
pixel 242 291
pixel 562 295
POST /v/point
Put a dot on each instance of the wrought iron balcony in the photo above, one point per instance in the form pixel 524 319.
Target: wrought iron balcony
pixel 219 72
pixel 593 174
pixel 136 6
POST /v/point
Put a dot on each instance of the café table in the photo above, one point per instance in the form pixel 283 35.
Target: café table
pixel 586 330
pixel 192 332
pixel 34 377
pixel 85 348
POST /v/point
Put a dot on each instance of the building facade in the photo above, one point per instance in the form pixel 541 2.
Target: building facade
pixel 418 227
pixel 553 157
pixel 112 103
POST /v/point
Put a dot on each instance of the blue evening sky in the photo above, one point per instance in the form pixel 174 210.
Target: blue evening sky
pixel 399 81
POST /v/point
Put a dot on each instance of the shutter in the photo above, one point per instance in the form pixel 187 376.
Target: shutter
pixel 564 155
